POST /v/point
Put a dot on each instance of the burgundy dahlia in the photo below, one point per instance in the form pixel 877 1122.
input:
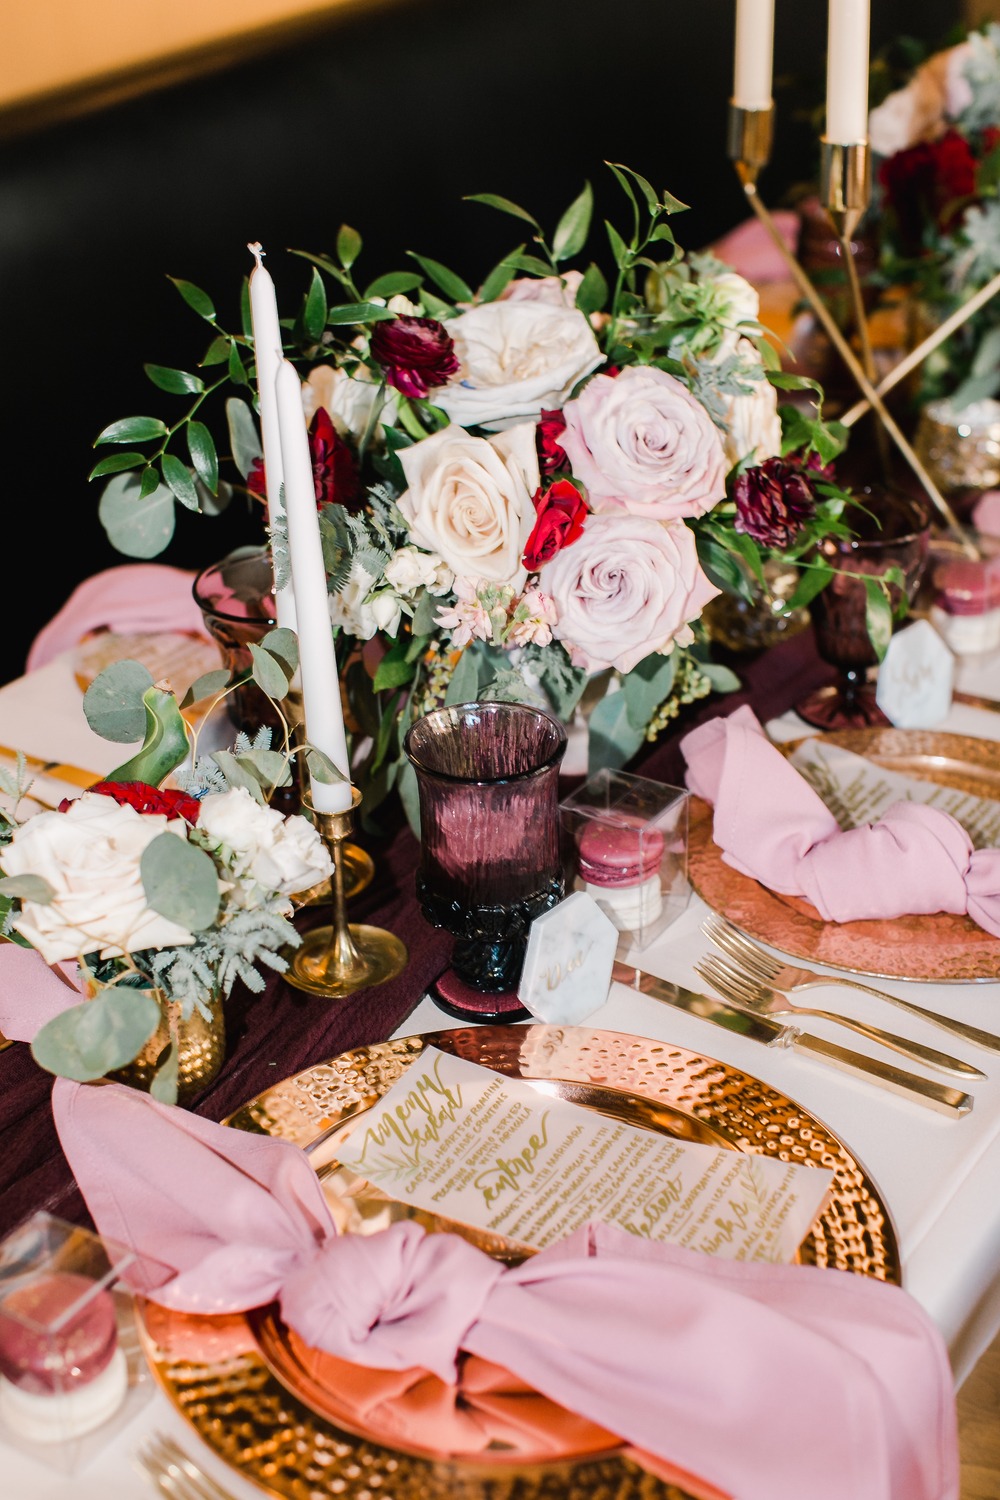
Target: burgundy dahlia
pixel 560 513
pixel 774 501
pixel 932 181
pixel 145 799
pixel 415 353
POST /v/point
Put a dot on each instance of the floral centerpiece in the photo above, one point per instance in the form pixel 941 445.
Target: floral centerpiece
pixel 936 140
pixel 529 488
pixel 158 897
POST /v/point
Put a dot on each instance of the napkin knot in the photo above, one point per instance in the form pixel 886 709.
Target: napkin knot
pixel 391 1300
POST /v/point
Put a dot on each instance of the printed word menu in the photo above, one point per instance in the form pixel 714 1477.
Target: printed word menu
pixel 453 1138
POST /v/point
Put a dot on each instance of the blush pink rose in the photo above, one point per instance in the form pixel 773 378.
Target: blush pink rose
pixel 640 442
pixel 627 587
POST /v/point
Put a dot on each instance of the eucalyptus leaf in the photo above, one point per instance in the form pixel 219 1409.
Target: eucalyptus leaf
pixel 322 767
pixel 646 687
pixel 113 703
pixel 208 685
pixel 137 530
pixel 237 774
pixel 27 888
pixel 163 1084
pixel 269 673
pixel 284 644
pixel 612 739
pixel 464 684
pixel 93 1039
pixel 723 679
pixel 180 881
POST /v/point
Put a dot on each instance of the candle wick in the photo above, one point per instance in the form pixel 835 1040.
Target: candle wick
pixel 257 251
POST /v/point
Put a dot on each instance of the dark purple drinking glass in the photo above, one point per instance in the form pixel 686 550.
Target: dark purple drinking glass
pixel 236 598
pixel 487 775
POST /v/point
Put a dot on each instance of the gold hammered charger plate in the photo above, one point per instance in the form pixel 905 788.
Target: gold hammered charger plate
pixel 942 948
pixel 240 1382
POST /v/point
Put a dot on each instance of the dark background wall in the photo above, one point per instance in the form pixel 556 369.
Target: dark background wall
pixel 383 121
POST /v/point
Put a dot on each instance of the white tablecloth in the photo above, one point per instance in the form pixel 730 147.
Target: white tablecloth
pixel 938 1175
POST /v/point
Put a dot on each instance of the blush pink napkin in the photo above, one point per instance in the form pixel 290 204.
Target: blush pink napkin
pixel 771 1382
pixel 750 250
pixel 135 598
pixel 772 826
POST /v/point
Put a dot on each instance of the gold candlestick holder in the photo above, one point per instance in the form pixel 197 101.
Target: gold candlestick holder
pixel 358 865
pixel 345 957
pixel 842 179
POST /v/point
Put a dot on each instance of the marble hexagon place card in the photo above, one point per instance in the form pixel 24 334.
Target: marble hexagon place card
pixel 568 963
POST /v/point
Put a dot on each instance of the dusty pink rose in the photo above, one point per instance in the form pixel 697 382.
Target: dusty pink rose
pixel 627 587
pixel 640 442
pixel 559 290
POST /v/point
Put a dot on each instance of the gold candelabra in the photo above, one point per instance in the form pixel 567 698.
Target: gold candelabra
pixel 358 865
pixel 338 960
pixel 845 189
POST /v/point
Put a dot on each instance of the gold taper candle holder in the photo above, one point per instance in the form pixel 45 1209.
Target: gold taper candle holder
pixel 347 956
pixel 359 867
pixel 749 135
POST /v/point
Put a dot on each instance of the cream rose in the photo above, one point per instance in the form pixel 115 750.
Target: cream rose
pixel 349 398
pixel 90 856
pixel 639 441
pixel 560 291
pixel 260 845
pixel 516 357
pixel 469 499
pixel 753 427
pixel 627 587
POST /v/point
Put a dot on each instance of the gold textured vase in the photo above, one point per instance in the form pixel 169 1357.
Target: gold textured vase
pixel 201 1043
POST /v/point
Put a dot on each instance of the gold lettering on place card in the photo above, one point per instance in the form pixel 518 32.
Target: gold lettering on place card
pixel 457 1139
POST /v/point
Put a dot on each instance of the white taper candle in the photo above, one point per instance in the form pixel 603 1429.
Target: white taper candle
pixel 753 58
pixel 267 357
pixel 321 705
pixel 847 65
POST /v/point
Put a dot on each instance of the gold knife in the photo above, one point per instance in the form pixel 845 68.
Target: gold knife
pixel 75 775
pixel 939 1096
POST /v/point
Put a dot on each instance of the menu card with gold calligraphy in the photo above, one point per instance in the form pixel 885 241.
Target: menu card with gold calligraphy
pixel 456 1139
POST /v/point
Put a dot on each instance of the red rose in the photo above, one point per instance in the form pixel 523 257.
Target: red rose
pixel 930 183
pixel 335 469
pixel 415 353
pixel 551 454
pixel 560 514
pixel 145 799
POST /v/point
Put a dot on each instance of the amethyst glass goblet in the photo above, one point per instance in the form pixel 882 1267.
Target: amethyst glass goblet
pixel 893 531
pixel 236 598
pixel 487 776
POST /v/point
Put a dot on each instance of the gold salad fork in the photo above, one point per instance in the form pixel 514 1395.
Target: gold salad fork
pixel 785 976
pixel 175 1474
pixel 744 992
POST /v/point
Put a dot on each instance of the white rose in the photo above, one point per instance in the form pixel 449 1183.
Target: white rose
pixel 516 358
pixel 90 856
pixel 349 397
pixel 737 301
pixel 259 844
pixel 559 291
pixel 469 499
pixel 410 569
pixel 348 608
pixel 753 427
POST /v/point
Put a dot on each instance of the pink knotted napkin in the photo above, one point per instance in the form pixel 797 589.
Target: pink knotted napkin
pixel 770 1382
pixel 133 598
pixel 772 826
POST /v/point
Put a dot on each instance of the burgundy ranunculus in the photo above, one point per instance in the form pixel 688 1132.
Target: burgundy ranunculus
pixel 145 799
pixel 931 182
pixel 415 353
pixel 560 513
pixel 551 453
pixel 774 501
pixel 335 469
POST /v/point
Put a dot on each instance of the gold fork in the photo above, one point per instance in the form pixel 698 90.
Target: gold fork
pixel 175 1474
pixel 744 992
pixel 785 976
